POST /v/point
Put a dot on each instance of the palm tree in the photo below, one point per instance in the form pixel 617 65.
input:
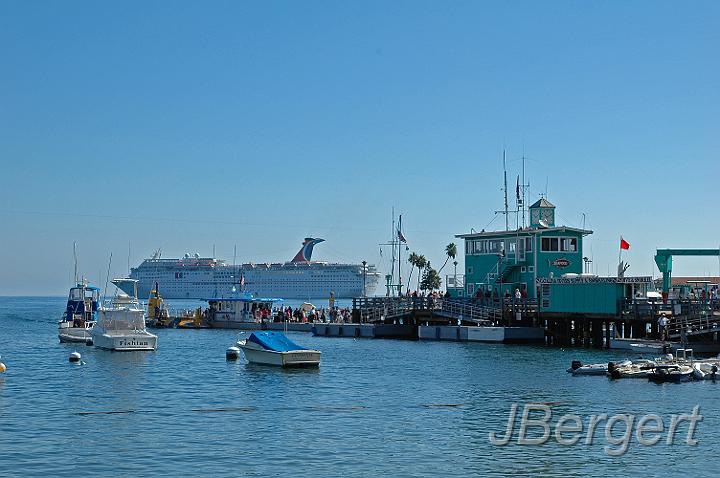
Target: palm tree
pixel 431 279
pixel 422 263
pixel 412 259
pixel 451 252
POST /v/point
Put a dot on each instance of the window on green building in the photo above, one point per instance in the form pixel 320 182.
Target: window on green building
pixel 559 244
pixel 550 244
pixel 569 244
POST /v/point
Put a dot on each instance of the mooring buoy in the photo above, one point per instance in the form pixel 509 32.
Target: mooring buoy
pixel 232 353
pixel 75 357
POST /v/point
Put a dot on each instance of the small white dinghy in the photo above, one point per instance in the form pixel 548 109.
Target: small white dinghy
pixel 274 348
pixel 638 369
pixel 705 371
pixel 577 368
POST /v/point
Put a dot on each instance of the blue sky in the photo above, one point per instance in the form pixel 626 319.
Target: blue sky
pixel 179 125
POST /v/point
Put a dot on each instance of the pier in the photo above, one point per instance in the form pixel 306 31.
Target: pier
pixel 693 323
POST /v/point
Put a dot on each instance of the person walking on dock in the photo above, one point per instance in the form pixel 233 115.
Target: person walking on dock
pixel 662 324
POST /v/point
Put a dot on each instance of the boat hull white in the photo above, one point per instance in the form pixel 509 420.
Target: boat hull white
pixel 69 334
pixel 293 358
pixel 126 342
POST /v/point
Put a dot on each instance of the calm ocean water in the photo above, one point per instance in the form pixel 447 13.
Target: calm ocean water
pixel 374 407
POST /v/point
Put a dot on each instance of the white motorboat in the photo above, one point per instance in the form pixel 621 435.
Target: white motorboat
pixel 705 371
pixel 80 314
pixel 577 368
pixel 274 348
pixel 636 369
pixel 671 373
pixel 121 324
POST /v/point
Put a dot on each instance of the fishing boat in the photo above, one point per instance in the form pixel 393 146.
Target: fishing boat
pixel 121 323
pixel 80 314
pixel 274 348
pixel 81 310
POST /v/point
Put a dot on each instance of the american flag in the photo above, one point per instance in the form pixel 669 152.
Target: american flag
pixel 401 237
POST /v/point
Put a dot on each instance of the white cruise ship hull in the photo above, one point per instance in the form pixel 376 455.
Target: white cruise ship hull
pixel 289 281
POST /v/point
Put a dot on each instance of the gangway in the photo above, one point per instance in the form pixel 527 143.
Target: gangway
pixel 663 259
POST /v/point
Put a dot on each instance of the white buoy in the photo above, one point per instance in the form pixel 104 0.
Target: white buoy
pixel 232 353
pixel 3 368
pixel 75 357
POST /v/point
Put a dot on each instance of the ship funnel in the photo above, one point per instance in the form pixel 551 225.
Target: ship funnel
pixel 305 253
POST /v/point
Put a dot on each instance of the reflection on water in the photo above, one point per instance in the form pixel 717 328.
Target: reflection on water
pixel 372 407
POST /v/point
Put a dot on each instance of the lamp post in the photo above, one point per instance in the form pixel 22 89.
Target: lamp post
pixel 455 279
pixel 364 264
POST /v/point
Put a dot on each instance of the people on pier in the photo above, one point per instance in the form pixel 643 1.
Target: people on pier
pixel 662 325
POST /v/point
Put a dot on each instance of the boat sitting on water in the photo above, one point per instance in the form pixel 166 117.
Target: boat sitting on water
pixel 274 348
pixel 80 314
pixel 121 323
pixel 577 368
pixel 242 311
pixel 671 373
pixel 637 369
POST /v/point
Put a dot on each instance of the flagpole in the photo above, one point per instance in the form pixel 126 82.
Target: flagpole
pixel 399 253
pixel 620 255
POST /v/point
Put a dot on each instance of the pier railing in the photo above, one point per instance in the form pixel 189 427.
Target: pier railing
pixel 706 322
pixel 485 312
pixel 644 309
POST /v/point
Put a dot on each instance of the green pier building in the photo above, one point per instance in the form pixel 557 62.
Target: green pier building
pixel 545 262
pixel 499 262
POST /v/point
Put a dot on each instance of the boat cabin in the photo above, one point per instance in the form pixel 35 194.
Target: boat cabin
pixel 247 308
pixel 82 304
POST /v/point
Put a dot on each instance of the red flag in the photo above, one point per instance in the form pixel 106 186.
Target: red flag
pixel 624 244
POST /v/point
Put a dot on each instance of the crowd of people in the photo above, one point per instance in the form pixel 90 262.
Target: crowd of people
pixel 307 314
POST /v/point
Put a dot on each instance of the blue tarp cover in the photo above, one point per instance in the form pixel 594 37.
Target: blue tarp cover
pixel 274 341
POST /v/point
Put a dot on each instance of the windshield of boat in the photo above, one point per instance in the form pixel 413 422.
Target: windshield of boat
pixel 122 320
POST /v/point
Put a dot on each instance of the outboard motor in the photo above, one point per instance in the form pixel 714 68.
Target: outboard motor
pixel 575 364
pixel 613 370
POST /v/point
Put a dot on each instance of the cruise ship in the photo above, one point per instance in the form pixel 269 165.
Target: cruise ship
pixel 195 277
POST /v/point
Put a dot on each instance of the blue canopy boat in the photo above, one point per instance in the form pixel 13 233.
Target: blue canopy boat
pixel 274 348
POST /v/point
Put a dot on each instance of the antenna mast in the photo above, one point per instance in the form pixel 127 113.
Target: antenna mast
pixel 75 257
pixel 394 241
pixel 399 241
pixel 507 224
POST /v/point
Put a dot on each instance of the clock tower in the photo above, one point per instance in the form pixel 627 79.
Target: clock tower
pixel 544 211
